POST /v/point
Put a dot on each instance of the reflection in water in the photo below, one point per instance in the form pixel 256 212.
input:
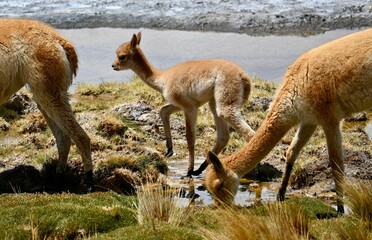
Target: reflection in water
pixel 248 194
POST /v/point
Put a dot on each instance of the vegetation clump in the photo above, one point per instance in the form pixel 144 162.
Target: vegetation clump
pixel 134 198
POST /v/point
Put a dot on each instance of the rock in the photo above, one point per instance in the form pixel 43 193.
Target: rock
pixel 21 103
pixel 4 125
pixel 359 117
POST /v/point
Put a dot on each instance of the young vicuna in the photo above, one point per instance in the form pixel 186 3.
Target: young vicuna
pixel 321 87
pixel 189 85
pixel 34 54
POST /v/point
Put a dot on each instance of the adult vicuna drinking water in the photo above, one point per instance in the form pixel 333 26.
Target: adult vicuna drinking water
pixel 34 54
pixel 187 86
pixel 321 87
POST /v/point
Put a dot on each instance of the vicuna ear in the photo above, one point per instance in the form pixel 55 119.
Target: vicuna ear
pixel 133 43
pixel 213 159
pixel 138 38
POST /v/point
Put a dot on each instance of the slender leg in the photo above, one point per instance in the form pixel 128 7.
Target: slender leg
pixel 223 136
pixel 165 113
pixel 63 141
pixel 336 158
pixel 190 118
pixel 56 107
pixel 233 116
pixel 301 138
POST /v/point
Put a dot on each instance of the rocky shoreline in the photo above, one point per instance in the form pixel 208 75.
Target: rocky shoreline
pixel 249 17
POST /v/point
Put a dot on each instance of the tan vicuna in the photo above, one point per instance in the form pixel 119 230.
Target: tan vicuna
pixel 34 54
pixel 187 86
pixel 321 87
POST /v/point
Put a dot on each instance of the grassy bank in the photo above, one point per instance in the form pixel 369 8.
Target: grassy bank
pixel 110 215
pixel 127 150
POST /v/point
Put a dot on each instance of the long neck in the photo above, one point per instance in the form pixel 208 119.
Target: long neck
pixel 146 71
pixel 272 130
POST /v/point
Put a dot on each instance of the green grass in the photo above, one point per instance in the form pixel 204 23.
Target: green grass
pixel 120 146
pixel 114 216
pixel 63 216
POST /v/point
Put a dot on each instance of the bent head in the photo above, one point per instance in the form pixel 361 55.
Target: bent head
pixel 125 54
pixel 220 181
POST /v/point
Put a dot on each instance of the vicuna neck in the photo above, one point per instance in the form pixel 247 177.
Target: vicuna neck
pixel 274 127
pixel 148 73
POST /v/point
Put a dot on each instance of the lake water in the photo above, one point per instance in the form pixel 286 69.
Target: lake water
pixel 265 57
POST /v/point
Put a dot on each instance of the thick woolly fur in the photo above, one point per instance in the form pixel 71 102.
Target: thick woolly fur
pixel 187 86
pixel 34 54
pixel 321 87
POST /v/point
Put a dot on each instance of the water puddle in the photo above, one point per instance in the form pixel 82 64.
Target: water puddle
pixel 365 125
pixel 368 130
pixel 248 194
pixel 368 126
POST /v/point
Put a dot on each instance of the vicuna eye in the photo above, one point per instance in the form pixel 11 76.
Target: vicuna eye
pixel 122 57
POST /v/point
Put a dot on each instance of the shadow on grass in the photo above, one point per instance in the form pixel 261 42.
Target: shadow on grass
pixel 28 179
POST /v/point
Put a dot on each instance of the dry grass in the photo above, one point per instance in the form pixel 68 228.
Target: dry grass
pixel 359 198
pixel 158 204
pixel 358 225
pixel 111 125
pixel 280 222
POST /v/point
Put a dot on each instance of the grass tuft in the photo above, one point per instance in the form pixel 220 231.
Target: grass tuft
pixel 359 198
pixel 157 204
pixel 281 222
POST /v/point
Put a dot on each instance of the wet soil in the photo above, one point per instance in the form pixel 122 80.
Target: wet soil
pixel 313 179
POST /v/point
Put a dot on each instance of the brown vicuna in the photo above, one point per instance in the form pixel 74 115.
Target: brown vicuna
pixel 187 86
pixel 321 87
pixel 34 54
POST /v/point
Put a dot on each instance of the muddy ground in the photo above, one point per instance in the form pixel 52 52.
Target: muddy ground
pixel 256 17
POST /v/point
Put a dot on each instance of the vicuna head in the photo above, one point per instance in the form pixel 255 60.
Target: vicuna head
pixel 221 182
pixel 126 53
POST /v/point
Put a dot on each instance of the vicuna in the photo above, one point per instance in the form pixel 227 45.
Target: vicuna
pixel 321 87
pixel 187 86
pixel 34 54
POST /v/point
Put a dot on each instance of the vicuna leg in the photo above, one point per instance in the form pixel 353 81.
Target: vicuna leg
pixel 190 118
pixel 336 158
pixel 223 136
pixel 165 113
pixel 222 128
pixel 301 138
pixel 232 115
pixel 57 108
pixel 63 141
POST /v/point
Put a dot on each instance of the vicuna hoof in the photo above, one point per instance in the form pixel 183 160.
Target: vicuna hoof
pixel 89 181
pixel 169 153
pixel 200 170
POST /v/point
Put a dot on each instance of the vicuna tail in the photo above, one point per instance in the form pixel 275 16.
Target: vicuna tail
pixel 247 88
pixel 70 54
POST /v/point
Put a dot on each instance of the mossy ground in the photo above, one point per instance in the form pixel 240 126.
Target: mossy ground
pixel 118 142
